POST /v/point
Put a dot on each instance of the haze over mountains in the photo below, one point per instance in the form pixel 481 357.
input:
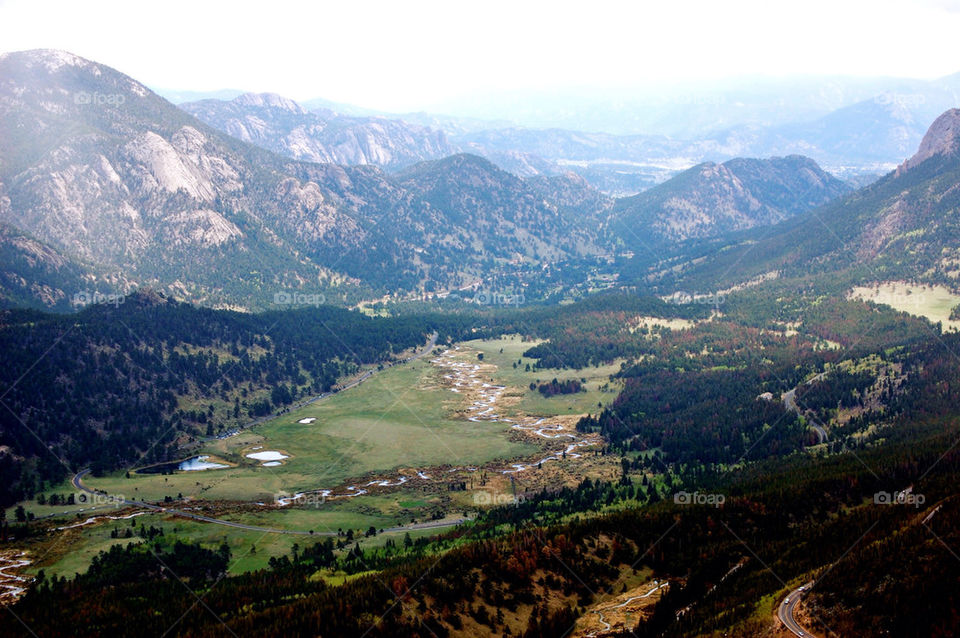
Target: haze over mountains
pixel 698 110
pixel 285 127
pixel 133 191
pixel 622 143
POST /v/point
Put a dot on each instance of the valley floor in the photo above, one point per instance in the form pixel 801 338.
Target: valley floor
pixel 409 449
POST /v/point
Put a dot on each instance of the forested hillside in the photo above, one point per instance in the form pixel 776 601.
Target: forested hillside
pixel 125 385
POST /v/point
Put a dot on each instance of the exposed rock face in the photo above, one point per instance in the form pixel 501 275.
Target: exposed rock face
pixel 942 138
pixel 105 172
pixel 34 274
pixel 98 167
pixel 283 126
pixel 200 227
pixel 711 199
pixel 269 101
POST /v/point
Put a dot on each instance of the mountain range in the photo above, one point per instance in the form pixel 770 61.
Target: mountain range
pixel 99 168
pixel 903 227
pixel 104 184
pixel 857 129
pixel 283 126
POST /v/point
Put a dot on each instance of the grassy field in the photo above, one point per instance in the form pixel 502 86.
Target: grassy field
pixel 531 401
pixel 932 302
pixel 73 550
pixel 250 550
pixel 50 511
pixel 399 418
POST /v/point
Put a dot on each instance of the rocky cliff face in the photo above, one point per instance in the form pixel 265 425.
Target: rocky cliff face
pixel 942 138
pixel 97 166
pixel 104 171
pixel 283 126
pixel 34 274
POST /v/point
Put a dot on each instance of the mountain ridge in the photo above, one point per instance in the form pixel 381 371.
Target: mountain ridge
pixel 105 171
pixel 711 199
pixel 324 136
pixel 902 227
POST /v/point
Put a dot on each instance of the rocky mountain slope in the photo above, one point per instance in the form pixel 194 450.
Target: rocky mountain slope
pixel 535 221
pixel 105 171
pixel 108 173
pixel 283 126
pixel 943 138
pixel 341 134
pixel 33 274
pixel 906 226
pixel 712 199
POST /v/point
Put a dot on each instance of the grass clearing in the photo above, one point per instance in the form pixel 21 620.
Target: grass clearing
pixel 932 302
pixel 402 418
pixel 599 387
pixel 399 418
pixel 73 550
pixel 250 550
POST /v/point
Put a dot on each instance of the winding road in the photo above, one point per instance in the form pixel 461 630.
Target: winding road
pixel 788 608
pixel 790 403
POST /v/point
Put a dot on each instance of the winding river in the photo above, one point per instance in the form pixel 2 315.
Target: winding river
pixel 464 377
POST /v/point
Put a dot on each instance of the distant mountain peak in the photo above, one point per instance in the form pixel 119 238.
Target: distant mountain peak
pixel 942 138
pixel 52 59
pixel 269 100
pixel 460 168
pixel 710 199
pixel 284 126
pixel 468 159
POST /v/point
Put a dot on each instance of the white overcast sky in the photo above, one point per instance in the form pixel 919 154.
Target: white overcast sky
pixel 405 55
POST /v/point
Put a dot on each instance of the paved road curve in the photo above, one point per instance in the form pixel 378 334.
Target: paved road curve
pixel 790 403
pixel 788 608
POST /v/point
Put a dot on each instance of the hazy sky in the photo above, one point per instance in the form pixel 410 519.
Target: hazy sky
pixel 401 55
